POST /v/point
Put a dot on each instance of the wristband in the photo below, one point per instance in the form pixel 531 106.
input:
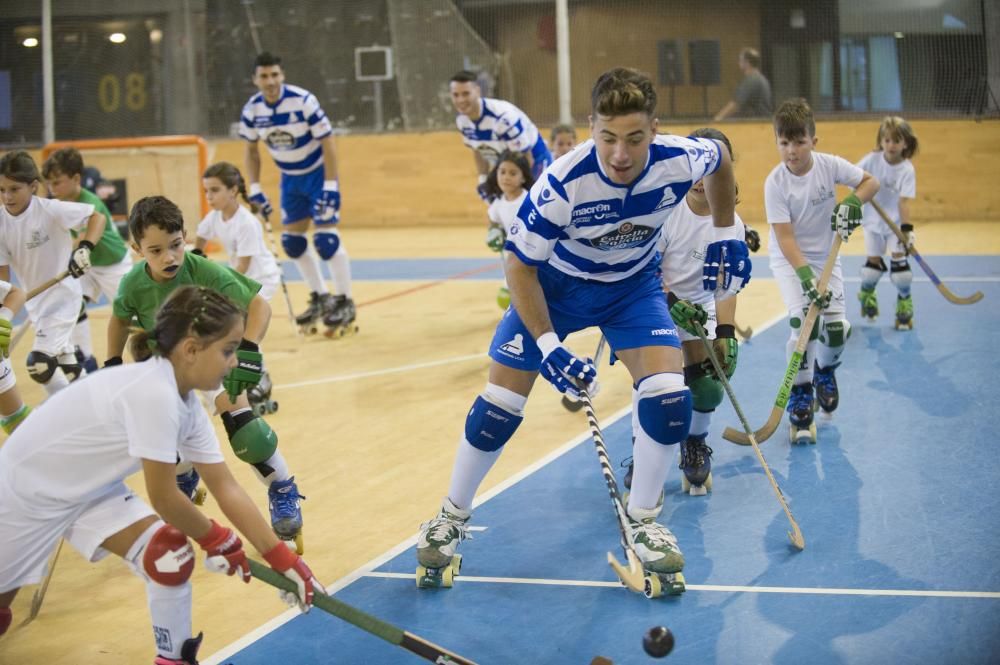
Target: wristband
pixel 281 557
pixel 725 331
pixel 215 536
pixel 113 361
pixel 255 189
pixel 331 185
pixel 6 313
pixel 672 299
pixel 547 343
pixel 247 345
pixel 85 243
pixel 731 232
pixel 482 178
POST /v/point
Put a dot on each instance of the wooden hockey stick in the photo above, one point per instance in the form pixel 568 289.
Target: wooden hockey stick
pixel 777 411
pixel 745 333
pixel 44 286
pixel 945 291
pixel 39 597
pixel 574 406
pixel 364 621
pixel 281 274
pixel 795 535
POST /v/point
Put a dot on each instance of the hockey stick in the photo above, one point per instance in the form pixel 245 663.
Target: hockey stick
pixel 44 286
pixel 945 291
pixel 39 597
pixel 745 333
pixel 366 622
pixel 777 411
pixel 569 404
pixel 281 273
pixel 795 535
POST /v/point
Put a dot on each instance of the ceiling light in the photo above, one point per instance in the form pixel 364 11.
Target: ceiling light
pixel 116 37
pixel 30 42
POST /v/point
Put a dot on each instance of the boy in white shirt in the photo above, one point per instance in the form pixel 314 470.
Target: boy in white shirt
pixel 804 216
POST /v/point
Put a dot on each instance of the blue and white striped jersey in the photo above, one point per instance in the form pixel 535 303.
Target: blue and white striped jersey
pixel 291 128
pixel 581 223
pixel 501 126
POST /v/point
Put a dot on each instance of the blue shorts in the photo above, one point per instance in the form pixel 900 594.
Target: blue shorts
pixel 631 313
pixel 299 193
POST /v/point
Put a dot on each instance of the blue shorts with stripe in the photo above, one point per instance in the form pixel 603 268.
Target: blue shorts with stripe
pixel 299 193
pixel 631 313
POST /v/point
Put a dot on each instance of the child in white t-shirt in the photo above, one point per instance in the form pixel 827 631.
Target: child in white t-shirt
pixel 508 184
pixel 890 162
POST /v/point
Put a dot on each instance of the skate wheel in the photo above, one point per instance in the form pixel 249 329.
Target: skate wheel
pixel 294 544
pixel 685 483
pixel 434 578
pixel 447 577
pixel 456 564
pixel 812 433
pixel 259 410
pixel 272 407
pixel 199 497
pixel 708 481
pixel 652 588
pixel 673 584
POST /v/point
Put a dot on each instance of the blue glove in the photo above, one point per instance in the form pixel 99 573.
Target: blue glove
pixel 259 199
pixel 734 258
pixel 483 190
pixel 561 368
pixel 326 209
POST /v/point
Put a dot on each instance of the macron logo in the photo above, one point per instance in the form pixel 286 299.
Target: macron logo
pixel 545 197
pixel 663 331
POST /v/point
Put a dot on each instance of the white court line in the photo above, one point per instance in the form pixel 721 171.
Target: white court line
pixel 723 588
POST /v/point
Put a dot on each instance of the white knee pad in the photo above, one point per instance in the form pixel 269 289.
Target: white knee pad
pixel 871 274
pixel 836 330
pixel 901 276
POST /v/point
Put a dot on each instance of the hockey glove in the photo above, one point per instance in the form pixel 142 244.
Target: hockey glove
pixel 112 361
pixel 495 237
pixel 846 216
pixel 198 251
pixel 911 236
pixel 483 190
pixel 249 368
pixel 730 254
pixel 808 281
pixel 752 238
pixel 326 208
pixel 259 199
pixel 291 565
pixel 225 552
pixel 689 317
pixel 561 368
pixel 5 330
pixel 726 348
pixel 79 261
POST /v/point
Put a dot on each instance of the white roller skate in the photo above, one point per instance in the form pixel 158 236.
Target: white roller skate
pixel 658 551
pixel 437 544
pixel 259 396
pixel 189 653
pixel 339 316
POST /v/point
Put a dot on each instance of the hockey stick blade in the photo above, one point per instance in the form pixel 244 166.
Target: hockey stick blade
pixel 745 333
pixel 949 295
pixel 366 622
pixel 39 597
pixel 631 576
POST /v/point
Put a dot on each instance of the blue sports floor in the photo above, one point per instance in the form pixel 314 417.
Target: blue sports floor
pixel 896 502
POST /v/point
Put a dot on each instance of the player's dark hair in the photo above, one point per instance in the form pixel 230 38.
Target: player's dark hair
pixel 19 167
pixel 230 176
pixel 156 211
pixel 751 56
pixel 895 127
pixel 464 76
pixel 266 59
pixel 621 91
pixel 794 119
pixel 64 161
pixel 190 311
pixel 715 134
pixel 562 129
pixel 519 160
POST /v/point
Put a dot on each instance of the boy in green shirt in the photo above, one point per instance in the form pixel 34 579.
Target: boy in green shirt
pixel 109 258
pixel 156 227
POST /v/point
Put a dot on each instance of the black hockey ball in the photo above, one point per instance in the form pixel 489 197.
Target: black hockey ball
pixel 658 641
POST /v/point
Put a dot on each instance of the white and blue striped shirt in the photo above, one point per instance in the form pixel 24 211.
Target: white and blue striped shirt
pixel 501 126
pixel 292 128
pixel 581 223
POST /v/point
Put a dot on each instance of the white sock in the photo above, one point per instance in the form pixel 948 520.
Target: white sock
pixel 340 271
pixel 651 464
pixel 279 469
pixel 57 382
pixel 308 265
pixel 700 421
pixel 471 466
pixel 805 374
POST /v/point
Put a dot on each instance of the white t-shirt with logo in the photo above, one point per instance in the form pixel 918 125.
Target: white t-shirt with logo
pixel 242 236
pixel 807 202
pixel 896 181
pixel 503 211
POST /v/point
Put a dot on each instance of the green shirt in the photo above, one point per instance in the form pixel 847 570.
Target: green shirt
pixel 110 249
pixel 140 296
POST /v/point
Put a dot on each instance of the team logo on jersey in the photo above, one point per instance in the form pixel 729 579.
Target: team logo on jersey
pixel 822 196
pixel 596 212
pixel 515 228
pixel 514 347
pixel 280 140
pixel 37 239
pixel 545 197
pixel 626 236
pixel 669 199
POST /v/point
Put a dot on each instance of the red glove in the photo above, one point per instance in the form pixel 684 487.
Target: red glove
pixel 225 552
pixel 291 565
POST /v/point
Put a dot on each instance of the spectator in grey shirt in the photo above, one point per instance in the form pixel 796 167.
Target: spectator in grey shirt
pixel 752 97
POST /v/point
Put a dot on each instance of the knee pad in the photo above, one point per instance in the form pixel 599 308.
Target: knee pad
pixel 167 557
pixel 494 417
pixel 795 319
pixel 294 244
pixel 10 423
pixel 664 408
pixel 835 333
pixel 71 365
pixel 706 391
pixel 871 272
pixel 252 439
pixel 327 243
pixel 41 366
pixel 901 275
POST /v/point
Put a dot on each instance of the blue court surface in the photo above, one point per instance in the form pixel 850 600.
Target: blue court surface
pixel 896 502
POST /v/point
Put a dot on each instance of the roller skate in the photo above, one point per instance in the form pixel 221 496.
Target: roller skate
pixel 904 313
pixel 286 516
pixel 503 298
pixel 187 483
pixel 306 321
pixel 260 396
pixel 802 429
pixel 439 538
pixel 657 549
pixel 827 394
pixel 339 316
pixel 696 463
pixel 189 653
pixel 869 303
